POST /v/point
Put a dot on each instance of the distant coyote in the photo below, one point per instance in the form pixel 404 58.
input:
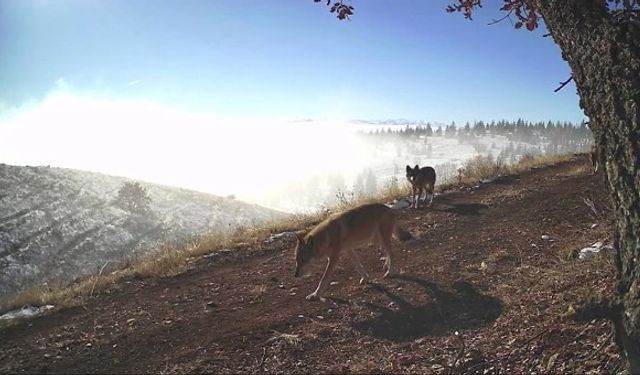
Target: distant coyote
pixel 344 232
pixel 422 180
pixel 594 158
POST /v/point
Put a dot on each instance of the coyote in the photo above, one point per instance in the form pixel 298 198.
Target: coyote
pixel 594 158
pixel 344 232
pixel 421 179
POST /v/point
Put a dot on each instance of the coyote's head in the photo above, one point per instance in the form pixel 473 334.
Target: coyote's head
pixel 412 173
pixel 304 253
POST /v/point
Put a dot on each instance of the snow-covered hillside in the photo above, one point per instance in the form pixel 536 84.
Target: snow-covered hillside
pixel 58 224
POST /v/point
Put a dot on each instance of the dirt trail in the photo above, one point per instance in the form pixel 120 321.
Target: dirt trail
pixel 477 266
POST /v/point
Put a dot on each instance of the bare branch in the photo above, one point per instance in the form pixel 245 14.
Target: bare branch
pixel 563 84
pixel 500 19
pixel 264 358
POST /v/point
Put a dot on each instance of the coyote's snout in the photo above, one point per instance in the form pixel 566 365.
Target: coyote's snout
pixel 346 232
pixel 422 180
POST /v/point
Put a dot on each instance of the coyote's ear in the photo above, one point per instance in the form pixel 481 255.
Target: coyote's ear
pixel 417 167
pixel 408 168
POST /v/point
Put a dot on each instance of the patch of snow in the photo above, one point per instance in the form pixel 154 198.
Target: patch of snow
pixel 26 311
pixel 593 250
pixel 62 224
pixel 277 236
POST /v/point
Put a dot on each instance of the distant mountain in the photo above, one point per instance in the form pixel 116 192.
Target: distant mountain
pixel 57 224
pixel 399 122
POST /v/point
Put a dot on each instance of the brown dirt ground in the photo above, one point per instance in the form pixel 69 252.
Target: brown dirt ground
pixel 480 291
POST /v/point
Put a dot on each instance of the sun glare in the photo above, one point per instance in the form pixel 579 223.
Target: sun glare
pixel 148 141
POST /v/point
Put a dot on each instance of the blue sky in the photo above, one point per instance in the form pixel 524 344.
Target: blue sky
pixel 284 59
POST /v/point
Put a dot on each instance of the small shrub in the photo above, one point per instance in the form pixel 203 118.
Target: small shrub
pixel 393 190
pixel 133 197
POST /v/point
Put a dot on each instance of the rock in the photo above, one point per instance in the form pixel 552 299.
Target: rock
pixel 399 204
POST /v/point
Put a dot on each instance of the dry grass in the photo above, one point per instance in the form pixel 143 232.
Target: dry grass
pixel 258 290
pixel 74 294
pixel 287 338
pixel 483 167
pixel 394 190
pixel 363 364
pixel 167 261
pixel 33 295
pixel 171 260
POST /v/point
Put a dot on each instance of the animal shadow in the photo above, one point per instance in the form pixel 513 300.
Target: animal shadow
pixel 460 208
pixel 456 308
pixel 506 180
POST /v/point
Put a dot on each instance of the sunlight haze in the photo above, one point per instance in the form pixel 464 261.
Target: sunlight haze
pixel 143 140
pixel 216 96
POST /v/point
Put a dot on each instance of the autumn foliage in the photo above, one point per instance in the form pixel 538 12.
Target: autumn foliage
pixel 525 12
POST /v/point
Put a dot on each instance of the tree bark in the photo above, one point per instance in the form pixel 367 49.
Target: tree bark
pixel 603 50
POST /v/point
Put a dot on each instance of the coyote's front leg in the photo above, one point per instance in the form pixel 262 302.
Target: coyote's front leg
pixel 364 277
pixel 415 197
pixel 331 263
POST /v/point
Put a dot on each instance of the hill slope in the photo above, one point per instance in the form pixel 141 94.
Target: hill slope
pixel 478 265
pixel 57 224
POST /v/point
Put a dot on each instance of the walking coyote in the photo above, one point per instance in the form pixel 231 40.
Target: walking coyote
pixel 345 232
pixel 422 180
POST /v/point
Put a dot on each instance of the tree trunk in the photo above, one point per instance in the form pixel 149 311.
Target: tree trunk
pixel 603 51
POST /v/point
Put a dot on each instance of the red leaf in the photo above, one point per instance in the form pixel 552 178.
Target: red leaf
pixel 532 25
